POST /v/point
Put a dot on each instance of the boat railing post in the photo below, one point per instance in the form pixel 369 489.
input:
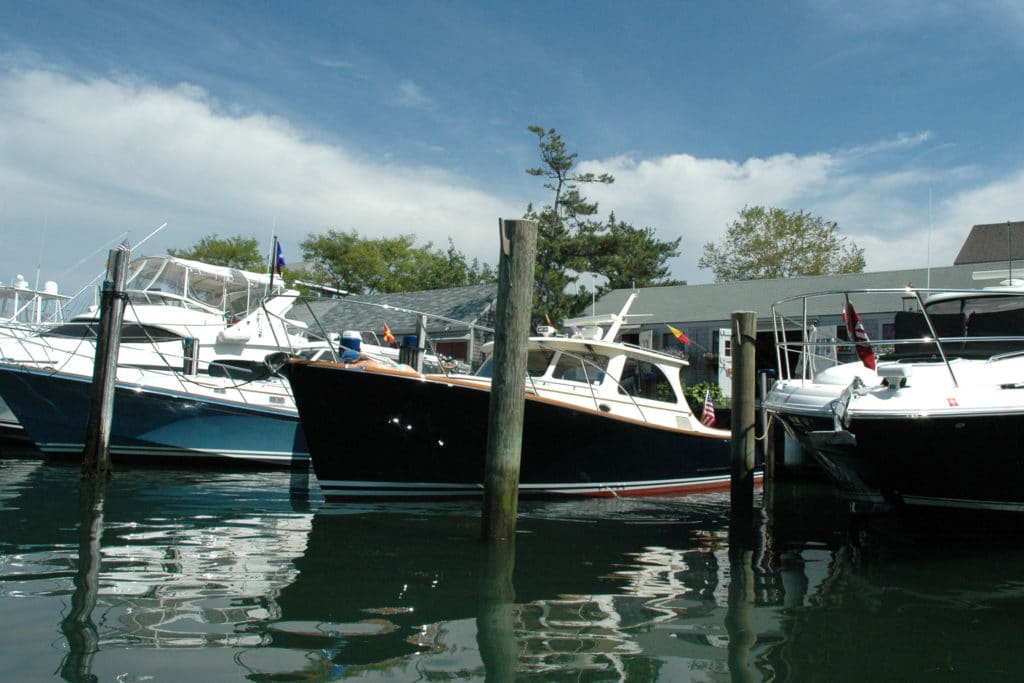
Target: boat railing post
pixel 190 351
pixel 516 264
pixel 421 347
pixel 96 456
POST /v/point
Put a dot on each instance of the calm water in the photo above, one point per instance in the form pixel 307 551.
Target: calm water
pixel 169 575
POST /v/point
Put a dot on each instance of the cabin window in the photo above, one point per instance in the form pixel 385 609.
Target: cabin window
pixel 645 380
pixel 585 367
pixel 73 331
pixel 537 362
pixel 135 333
pixel 130 332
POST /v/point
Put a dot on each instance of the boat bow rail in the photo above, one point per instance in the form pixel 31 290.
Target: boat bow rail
pixel 926 324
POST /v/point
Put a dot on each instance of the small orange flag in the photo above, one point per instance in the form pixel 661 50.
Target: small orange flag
pixel 388 337
pixel 683 339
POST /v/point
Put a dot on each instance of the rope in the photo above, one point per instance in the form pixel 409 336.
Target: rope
pixel 767 428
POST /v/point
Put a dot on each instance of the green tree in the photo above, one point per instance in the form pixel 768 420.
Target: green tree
pixel 571 241
pixel 767 243
pixel 633 257
pixel 348 261
pixel 233 252
pixel 560 252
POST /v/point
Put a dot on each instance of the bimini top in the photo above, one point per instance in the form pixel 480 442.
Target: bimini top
pixel 168 280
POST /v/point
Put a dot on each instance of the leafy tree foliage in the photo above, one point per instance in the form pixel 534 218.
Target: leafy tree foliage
pixel 233 252
pixel 695 396
pixel 767 243
pixel 348 261
pixel 571 240
pixel 634 257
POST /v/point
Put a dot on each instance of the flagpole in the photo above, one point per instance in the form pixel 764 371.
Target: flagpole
pixel 273 263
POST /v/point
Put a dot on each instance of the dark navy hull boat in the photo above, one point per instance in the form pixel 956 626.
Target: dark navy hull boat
pixel 602 418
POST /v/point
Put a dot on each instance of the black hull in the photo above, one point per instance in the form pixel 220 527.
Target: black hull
pixel 388 436
pixel 966 462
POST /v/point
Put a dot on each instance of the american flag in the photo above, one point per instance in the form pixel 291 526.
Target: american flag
pixel 855 328
pixel 707 416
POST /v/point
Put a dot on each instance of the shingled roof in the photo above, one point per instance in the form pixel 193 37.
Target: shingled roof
pixel 369 312
pixel 993 242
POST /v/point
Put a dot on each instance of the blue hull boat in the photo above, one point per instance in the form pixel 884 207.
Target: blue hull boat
pixel 169 416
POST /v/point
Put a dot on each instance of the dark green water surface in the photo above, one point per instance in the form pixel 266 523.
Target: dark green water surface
pixel 170 575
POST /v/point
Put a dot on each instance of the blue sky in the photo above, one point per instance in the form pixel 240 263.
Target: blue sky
pixel 899 120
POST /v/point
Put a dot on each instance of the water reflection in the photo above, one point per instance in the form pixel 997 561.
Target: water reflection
pixel 249 576
pixel 592 585
pixel 78 626
pixel 156 561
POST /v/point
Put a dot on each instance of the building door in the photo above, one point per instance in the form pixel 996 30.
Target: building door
pixel 725 361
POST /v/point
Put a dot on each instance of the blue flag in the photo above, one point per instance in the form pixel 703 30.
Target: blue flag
pixel 280 258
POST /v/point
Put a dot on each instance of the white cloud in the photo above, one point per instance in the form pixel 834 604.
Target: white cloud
pixel 84 160
pixel 886 212
pixel 412 96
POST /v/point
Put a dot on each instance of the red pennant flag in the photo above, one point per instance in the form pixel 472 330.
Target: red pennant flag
pixel 855 327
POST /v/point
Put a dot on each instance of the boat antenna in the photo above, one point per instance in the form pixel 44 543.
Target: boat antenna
pixel 928 257
pixel 621 317
pixel 42 248
pixel 1009 255
pixel 121 238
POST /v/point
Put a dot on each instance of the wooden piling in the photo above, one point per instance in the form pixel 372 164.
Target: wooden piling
pixel 744 336
pixel 96 456
pixel 508 384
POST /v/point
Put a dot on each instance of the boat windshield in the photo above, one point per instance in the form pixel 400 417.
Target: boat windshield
pixel 172 281
pixel 537 361
pixel 972 326
pixel 643 379
pixel 583 367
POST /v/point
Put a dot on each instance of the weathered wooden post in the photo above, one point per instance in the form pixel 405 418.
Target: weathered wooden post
pixel 744 336
pixel 508 384
pixel 738 620
pixel 96 456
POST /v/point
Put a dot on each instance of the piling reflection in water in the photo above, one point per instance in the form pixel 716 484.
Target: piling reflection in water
pixel 78 625
pixel 246 576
